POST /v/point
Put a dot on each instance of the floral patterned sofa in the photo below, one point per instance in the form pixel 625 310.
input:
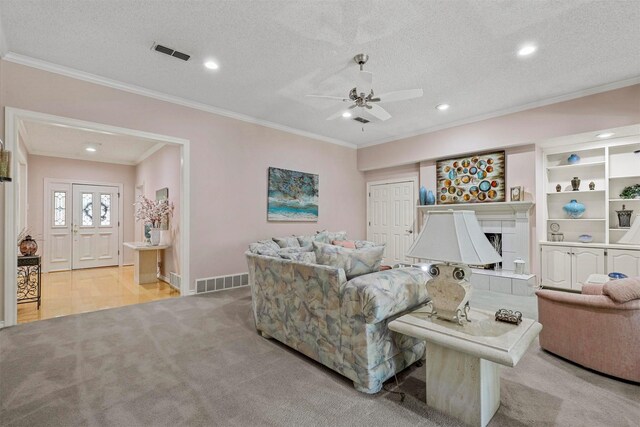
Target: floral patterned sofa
pixel 340 323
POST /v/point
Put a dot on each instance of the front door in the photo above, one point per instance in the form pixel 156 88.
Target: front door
pixel 391 219
pixel 95 226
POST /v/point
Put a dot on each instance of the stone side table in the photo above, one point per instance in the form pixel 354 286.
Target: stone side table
pixel 463 361
pixel 145 262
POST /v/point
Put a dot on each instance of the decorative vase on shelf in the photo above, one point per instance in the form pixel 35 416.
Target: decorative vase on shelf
pixel 575 183
pixel 431 198
pixel 574 209
pixel 423 196
pixel 155 236
pixel 573 159
pixel 28 246
pixel 592 185
pixel 558 188
pixel 624 217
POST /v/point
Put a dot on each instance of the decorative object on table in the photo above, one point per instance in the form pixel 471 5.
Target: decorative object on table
pixel 573 159
pixel 508 316
pixel 431 198
pixel 163 194
pixel 631 192
pixel 592 186
pixel 516 194
pixel 519 266
pixel 575 183
pixel 624 217
pixel 632 237
pixel 574 209
pixel 28 246
pixel 585 238
pixel 5 164
pixel 153 213
pixel 556 236
pixel 558 188
pixel 614 275
pixel 147 233
pixel 423 195
pixel 455 239
pixel 293 196
pixel 471 179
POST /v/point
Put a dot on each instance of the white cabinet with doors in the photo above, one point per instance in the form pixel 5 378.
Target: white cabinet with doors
pixel 624 261
pixel 568 267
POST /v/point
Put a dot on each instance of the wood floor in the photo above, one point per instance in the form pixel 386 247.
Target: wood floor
pixel 80 291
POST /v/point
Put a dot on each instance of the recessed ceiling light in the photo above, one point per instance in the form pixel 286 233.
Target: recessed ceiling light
pixel 346 114
pixel 605 135
pixel 211 65
pixel 527 50
pixel 442 107
pixel 91 149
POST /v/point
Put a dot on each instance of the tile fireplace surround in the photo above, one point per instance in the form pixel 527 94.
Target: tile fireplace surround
pixel 512 220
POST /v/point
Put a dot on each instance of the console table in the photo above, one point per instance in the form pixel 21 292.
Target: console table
pixel 463 361
pixel 29 279
pixel 145 262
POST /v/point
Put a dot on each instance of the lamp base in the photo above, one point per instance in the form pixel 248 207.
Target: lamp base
pixel 450 291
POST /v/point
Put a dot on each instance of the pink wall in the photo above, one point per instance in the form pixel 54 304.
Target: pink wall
pixel 41 167
pixel 160 170
pixel 611 109
pixel 229 161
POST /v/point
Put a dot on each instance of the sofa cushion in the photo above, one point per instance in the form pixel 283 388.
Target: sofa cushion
pixel 354 262
pixel 287 242
pixel 325 236
pixel 623 290
pixel 306 240
pixel 365 244
pixel 262 248
pixel 349 244
pixel 308 257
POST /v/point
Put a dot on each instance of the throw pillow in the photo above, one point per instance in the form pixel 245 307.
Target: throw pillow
pixel 349 244
pixel 269 243
pixel 287 242
pixel 263 249
pixel 354 262
pixel 366 244
pixel 623 290
pixel 308 257
pixel 325 236
pixel 306 240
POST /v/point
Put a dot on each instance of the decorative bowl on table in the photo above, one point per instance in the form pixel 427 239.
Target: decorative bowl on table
pixel 586 238
pixel 614 275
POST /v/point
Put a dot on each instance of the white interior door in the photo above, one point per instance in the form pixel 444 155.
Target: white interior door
pixel 391 219
pixel 95 226
pixel 58 226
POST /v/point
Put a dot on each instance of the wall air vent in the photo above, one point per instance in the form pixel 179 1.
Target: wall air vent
pixel 171 52
pixel 361 120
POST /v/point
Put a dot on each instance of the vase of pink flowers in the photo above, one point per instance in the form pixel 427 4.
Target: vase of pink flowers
pixel 153 212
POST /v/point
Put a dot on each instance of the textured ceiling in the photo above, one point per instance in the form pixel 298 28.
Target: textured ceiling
pixel 63 141
pixel 272 53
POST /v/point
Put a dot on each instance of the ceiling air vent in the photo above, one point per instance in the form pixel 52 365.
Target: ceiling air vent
pixel 170 52
pixel 361 120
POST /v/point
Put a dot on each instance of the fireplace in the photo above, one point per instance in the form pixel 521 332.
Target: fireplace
pixel 496 241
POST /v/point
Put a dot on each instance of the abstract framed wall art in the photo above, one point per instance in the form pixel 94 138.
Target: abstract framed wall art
pixel 293 196
pixel 471 179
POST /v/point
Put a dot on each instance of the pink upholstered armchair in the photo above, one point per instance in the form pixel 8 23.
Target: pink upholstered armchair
pixel 593 330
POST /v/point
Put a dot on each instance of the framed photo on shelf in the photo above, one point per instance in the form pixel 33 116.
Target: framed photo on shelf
pixel 516 194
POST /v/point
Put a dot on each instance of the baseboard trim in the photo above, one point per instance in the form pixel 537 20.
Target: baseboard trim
pixel 166 280
pixel 1 324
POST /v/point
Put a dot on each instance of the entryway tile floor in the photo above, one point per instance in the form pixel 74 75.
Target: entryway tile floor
pixel 81 291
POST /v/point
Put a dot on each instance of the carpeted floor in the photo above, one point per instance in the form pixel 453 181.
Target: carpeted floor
pixel 198 361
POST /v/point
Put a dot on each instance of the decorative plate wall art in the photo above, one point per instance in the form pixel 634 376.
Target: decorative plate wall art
pixel 293 196
pixel 471 179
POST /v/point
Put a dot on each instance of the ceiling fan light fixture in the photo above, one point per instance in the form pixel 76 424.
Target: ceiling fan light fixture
pixel 442 107
pixel 346 114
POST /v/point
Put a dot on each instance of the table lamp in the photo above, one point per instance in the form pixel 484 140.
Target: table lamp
pixel 455 239
pixel 632 237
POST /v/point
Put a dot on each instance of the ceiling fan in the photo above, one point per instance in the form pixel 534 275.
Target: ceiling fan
pixel 362 95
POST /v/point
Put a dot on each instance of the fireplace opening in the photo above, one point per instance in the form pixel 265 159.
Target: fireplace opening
pixel 496 241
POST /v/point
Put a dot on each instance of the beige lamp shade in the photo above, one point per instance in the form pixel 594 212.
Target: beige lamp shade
pixel 632 237
pixel 454 237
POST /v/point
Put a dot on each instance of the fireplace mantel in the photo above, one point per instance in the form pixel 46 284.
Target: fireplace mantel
pixel 496 210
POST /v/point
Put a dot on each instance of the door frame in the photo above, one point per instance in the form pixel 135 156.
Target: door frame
pixel 13 118
pixel 413 179
pixel 46 217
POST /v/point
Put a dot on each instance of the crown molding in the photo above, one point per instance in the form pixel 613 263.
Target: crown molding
pixel 149 152
pixel 79 157
pixel 103 81
pixel 541 103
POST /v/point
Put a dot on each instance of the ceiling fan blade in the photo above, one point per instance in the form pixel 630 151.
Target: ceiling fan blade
pixel 365 82
pixel 398 95
pixel 336 98
pixel 378 112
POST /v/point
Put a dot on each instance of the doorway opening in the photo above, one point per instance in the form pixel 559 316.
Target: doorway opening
pixel 76 198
